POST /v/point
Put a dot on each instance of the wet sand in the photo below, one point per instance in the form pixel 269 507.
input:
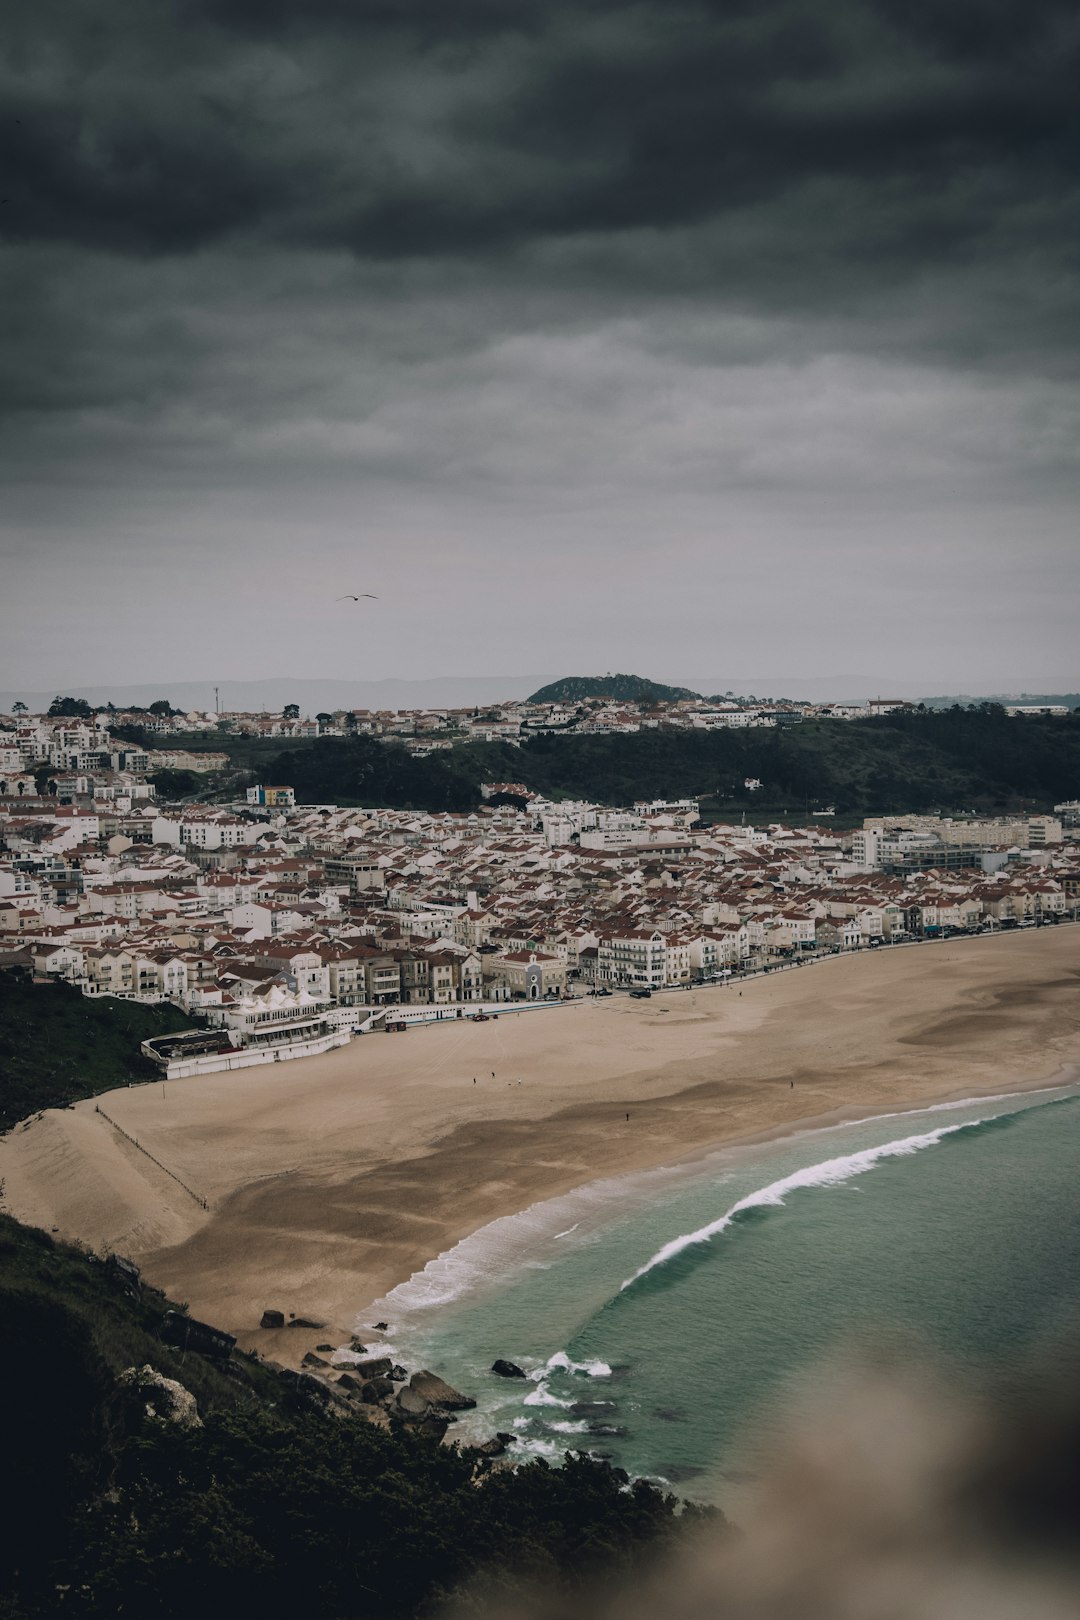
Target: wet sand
pixel 331 1179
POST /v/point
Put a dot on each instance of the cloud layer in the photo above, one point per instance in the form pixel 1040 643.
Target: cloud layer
pixel 616 288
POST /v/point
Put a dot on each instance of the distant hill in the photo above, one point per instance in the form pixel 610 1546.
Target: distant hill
pixel 623 688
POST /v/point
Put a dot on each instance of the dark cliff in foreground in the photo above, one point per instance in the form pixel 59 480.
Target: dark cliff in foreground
pixel 149 1479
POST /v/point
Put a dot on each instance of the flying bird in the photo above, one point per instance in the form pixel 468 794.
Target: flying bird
pixel 359 598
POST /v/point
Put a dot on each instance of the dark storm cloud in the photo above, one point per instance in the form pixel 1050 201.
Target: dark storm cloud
pixel 400 130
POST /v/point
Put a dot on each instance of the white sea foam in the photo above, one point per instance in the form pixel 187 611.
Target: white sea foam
pixel 567 1427
pixel 560 1362
pixel 542 1396
pixel 829 1173
pixel 484 1259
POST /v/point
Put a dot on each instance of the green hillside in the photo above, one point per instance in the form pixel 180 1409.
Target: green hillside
pixel 57 1045
pixel 954 759
pixel 623 688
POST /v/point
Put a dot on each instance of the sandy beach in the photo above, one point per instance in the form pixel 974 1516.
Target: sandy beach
pixel 331 1179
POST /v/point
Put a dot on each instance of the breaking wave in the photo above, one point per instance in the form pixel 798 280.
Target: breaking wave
pixel 829 1173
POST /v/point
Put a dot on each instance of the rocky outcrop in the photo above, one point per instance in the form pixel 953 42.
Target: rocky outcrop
pixel 378 1367
pixel 439 1393
pixel 272 1319
pixel 310 1359
pixel 507 1369
pixel 375 1390
pixel 348 1382
pixel 185 1333
pixel 161 1397
pixel 398 1374
pixel 411 1404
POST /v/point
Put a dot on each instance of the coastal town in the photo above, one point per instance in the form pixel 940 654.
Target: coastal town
pixel 285 929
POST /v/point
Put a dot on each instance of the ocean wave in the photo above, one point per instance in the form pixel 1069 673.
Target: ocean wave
pixel 560 1362
pixel 829 1173
pixel 567 1426
pixel 542 1396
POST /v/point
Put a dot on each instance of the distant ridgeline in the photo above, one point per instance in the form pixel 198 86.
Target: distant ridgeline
pixel 623 688
pixel 953 760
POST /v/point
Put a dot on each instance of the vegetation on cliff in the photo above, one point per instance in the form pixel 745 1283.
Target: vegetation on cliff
pixel 274 1503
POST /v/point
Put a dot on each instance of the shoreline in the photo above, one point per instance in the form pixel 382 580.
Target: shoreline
pixel 696 1161
pixel 336 1180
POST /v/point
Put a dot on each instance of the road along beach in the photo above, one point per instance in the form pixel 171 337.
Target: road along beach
pixel 330 1180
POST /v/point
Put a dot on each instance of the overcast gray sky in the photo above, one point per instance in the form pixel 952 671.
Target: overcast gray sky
pixel 734 337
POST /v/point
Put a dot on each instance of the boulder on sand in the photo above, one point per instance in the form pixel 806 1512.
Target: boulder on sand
pixel 272 1319
pixel 346 1381
pixel 440 1393
pixel 375 1390
pixel 507 1369
pixel 312 1360
pixel 378 1367
pixel 398 1374
pixel 411 1404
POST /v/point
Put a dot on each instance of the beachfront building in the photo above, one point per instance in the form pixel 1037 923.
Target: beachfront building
pixel 633 957
pixel 526 975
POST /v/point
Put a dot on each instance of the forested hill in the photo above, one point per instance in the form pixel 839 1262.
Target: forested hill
pixel 956 759
pixel 623 688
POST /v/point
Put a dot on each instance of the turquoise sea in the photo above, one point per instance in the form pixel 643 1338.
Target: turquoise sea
pixel 659 1315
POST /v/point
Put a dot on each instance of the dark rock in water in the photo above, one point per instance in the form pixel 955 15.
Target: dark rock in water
pixel 740 1476
pixel 325 1349
pixel 670 1414
pixel 593 1408
pixel 312 1360
pixel 507 1439
pixel 440 1393
pixel 272 1319
pixel 507 1369
pixel 433 1426
pixel 610 1431
pixel 411 1404
pixel 621 1369
pixel 380 1327
pixel 357 1348
pixel 379 1367
pixel 601 1456
pixel 376 1390
pixel 621 1475
pixel 398 1374
pixel 303 1322
pixel 680 1471
pixel 492 1448
pixel 346 1381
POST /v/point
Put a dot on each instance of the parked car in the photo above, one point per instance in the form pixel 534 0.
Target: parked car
pixel 641 995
